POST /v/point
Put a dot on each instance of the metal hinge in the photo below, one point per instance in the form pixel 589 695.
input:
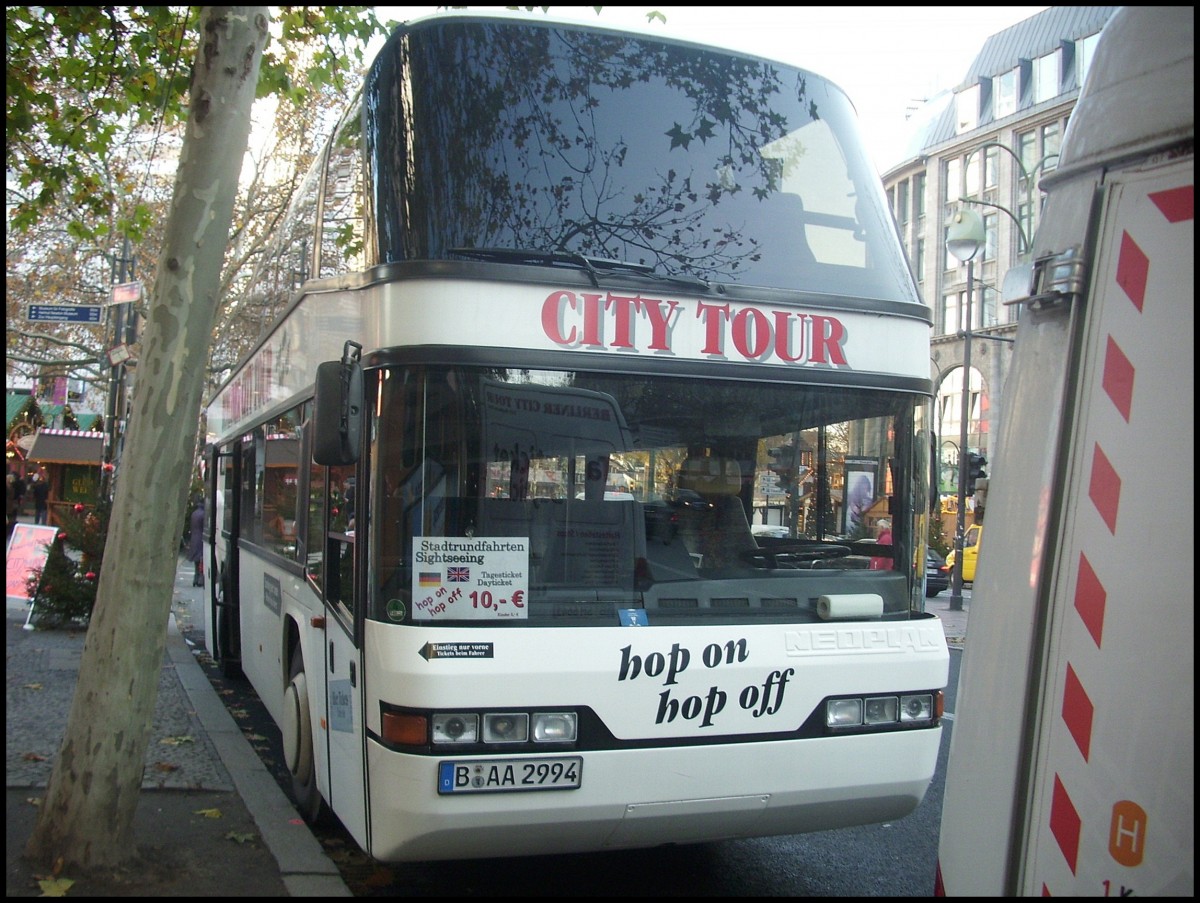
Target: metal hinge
pixel 1050 280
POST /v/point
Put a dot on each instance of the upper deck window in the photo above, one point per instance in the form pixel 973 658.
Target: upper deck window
pixel 538 137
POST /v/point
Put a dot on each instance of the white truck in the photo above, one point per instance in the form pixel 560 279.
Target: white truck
pixel 1071 768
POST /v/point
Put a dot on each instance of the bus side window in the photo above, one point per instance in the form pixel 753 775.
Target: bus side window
pixel 339 540
pixel 314 558
pixel 329 553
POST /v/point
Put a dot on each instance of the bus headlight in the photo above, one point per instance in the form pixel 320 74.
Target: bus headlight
pixel 450 727
pixel 555 727
pixel 916 708
pixel 857 714
pixel 506 727
pixel 880 710
pixel 423 731
pixel 843 712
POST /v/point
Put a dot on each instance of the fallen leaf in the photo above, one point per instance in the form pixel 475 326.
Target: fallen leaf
pixel 55 887
pixel 255 737
pixel 33 687
pixel 208 813
pixel 166 766
pixel 380 877
pixel 33 757
pixel 240 837
pixel 33 800
pixel 239 713
pixel 177 741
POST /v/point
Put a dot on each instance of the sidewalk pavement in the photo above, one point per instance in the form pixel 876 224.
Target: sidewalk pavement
pixel 211 820
pixel 953 622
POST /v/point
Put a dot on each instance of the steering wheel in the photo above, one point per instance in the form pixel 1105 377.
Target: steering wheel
pixel 793 557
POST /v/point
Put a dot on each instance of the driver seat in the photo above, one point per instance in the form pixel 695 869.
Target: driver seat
pixel 716 531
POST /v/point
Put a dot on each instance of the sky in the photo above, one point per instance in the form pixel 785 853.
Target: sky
pixel 887 59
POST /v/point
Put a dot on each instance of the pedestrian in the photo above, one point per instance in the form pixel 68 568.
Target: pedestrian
pixel 884 538
pixel 19 491
pixel 10 503
pixel 196 543
pixel 41 498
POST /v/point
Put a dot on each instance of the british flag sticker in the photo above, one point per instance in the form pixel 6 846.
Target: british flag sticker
pixel 458 575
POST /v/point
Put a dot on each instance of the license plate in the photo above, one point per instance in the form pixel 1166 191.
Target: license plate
pixel 496 775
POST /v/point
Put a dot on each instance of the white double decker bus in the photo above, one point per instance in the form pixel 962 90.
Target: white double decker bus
pixel 544 518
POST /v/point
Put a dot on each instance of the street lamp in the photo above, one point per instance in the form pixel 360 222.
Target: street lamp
pixel 1026 179
pixel 964 238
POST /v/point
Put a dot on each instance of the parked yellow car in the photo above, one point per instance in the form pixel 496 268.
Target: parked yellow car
pixel 971 540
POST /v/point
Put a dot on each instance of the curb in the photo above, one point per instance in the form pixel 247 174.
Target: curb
pixel 306 870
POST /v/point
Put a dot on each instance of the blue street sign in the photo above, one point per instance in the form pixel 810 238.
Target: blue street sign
pixel 64 313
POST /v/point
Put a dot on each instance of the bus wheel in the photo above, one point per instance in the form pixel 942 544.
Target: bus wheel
pixel 296 727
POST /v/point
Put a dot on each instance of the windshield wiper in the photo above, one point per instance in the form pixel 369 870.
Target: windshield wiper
pixel 593 266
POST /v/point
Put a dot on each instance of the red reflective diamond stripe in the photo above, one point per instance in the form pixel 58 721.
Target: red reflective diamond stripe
pixel 1104 489
pixel 1090 599
pixel 1132 269
pixel 1177 204
pixel 1118 378
pixel 1077 712
pixel 1065 823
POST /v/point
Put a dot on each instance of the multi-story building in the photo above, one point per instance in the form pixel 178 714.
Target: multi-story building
pixel 986 144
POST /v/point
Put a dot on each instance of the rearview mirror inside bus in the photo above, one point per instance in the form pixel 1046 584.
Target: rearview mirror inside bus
pixel 337 418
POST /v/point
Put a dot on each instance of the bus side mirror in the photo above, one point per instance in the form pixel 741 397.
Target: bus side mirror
pixel 337 418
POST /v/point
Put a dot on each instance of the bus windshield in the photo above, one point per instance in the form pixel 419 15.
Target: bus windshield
pixel 578 498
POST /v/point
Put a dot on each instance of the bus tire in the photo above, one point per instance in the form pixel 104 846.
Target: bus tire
pixel 296 727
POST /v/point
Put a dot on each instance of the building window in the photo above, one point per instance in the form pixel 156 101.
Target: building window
pixel 1004 94
pixel 971 169
pixel 951 313
pixel 989 236
pixel 1025 216
pixel 1085 49
pixel 952 187
pixel 920 261
pixel 1051 144
pixel 1027 150
pixel 1046 77
pixel 991 167
pixel 902 203
pixel 966 106
pixel 985 304
pixel 919 195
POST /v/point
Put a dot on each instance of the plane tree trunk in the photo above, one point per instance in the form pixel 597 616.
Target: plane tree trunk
pixel 86 819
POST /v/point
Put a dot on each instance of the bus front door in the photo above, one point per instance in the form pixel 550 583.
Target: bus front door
pixel 343 666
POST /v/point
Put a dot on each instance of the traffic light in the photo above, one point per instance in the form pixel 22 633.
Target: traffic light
pixel 781 462
pixel 975 471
